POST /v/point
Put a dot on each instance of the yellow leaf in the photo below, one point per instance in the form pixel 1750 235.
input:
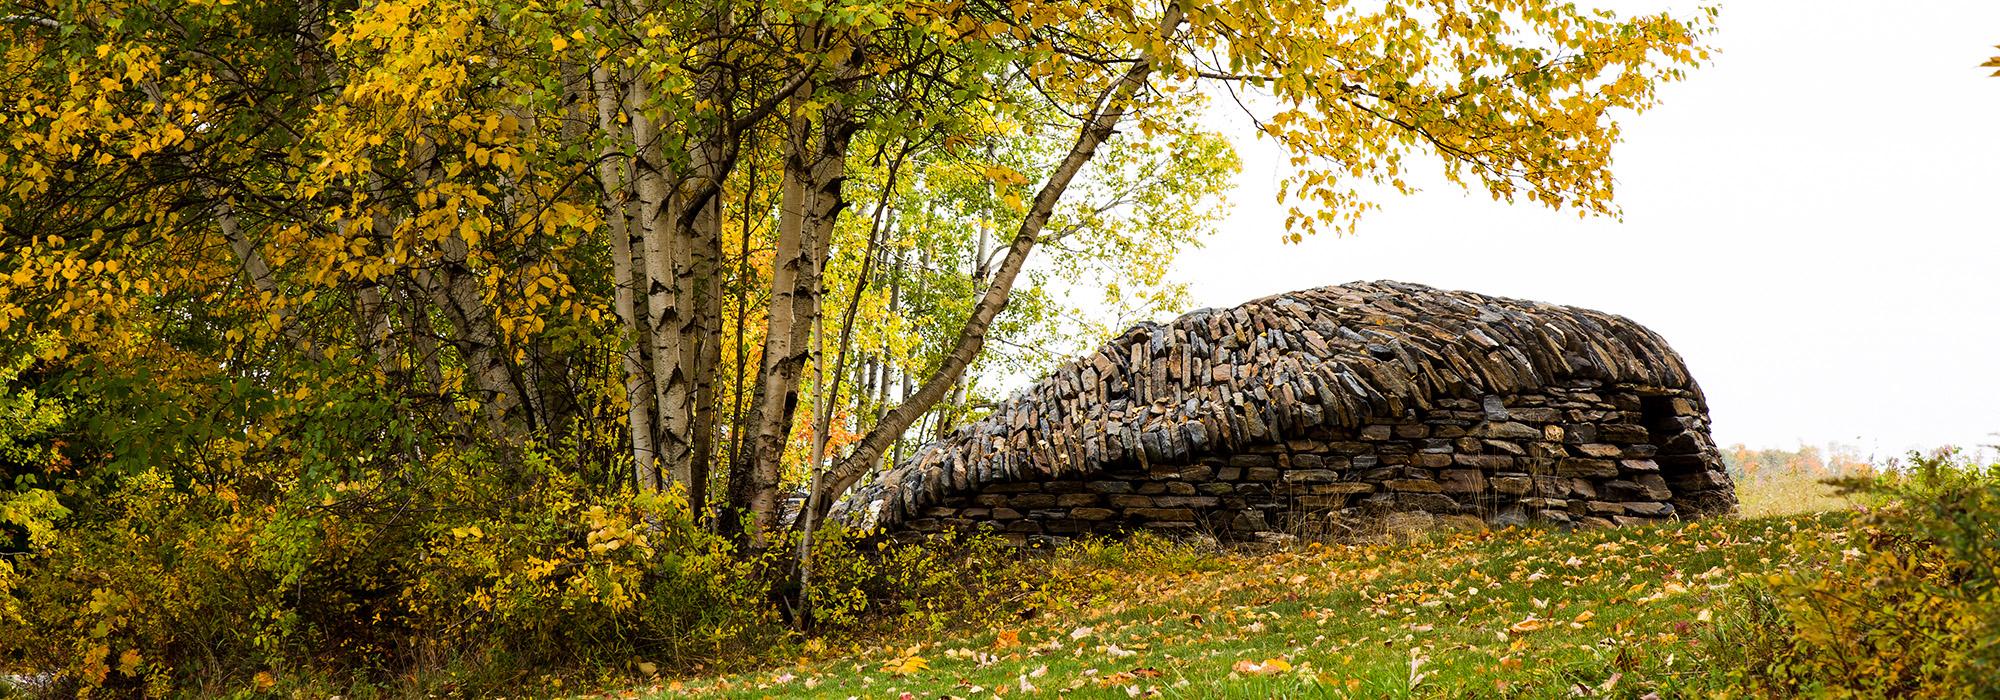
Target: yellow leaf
pixel 1528 625
pixel 905 666
pixel 129 662
pixel 1267 667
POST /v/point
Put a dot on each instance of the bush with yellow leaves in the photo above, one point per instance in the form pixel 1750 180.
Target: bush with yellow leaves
pixel 947 579
pixel 1905 606
pixel 462 574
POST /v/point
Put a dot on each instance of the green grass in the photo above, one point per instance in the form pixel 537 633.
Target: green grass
pixel 1514 613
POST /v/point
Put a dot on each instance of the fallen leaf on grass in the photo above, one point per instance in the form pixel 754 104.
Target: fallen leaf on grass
pixel 1528 625
pixel 1007 638
pixel 1267 667
pixel 1610 683
pixel 905 666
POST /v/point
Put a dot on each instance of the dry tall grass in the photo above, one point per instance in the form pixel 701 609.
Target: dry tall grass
pixel 1790 482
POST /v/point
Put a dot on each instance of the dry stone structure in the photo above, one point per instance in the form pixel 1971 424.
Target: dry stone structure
pixel 1333 405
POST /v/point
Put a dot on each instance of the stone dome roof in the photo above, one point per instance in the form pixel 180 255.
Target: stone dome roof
pixel 1217 380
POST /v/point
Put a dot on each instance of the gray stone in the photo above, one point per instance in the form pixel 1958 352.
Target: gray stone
pixel 1587 468
pixel 1512 485
pixel 1486 462
pixel 1412 485
pixel 1252 460
pixel 1131 501
pixel 1639 465
pixel 1582 488
pixel 1655 486
pixel 1507 431
pixel 1462 481
pixel 1431 460
pixel 1651 509
pixel 1311 476
pixel 1600 450
pixel 1065 487
pixel 1111 486
pixel 1700 481
pixel 1033 500
pixel 1536 415
pixel 1553 516
pixel 1249 521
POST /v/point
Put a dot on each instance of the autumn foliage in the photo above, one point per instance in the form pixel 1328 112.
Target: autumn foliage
pixel 393 335
pixel 1906 601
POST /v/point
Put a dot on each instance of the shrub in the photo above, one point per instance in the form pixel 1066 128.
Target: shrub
pixel 1906 605
pixel 944 580
pixel 455 575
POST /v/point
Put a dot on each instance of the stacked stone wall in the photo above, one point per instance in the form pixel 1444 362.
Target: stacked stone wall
pixel 1578 454
pixel 1325 406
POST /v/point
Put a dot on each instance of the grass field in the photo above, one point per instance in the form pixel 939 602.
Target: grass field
pixel 1518 613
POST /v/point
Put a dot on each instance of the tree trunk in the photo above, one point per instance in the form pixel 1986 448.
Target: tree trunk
pixel 815 171
pixel 658 228
pixel 806 524
pixel 707 332
pixel 615 176
pixel 1110 109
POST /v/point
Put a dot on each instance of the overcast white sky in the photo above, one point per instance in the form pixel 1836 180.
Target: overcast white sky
pixel 1810 220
